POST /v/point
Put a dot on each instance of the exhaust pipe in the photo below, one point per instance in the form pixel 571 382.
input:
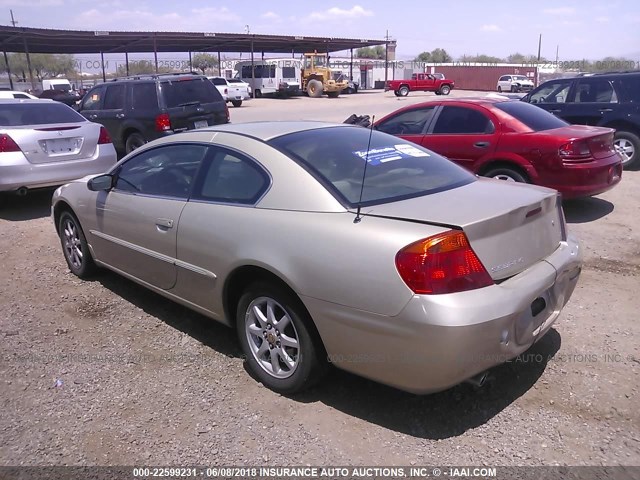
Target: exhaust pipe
pixel 22 191
pixel 478 380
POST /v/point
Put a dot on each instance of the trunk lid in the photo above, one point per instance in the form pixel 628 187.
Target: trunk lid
pixel 599 140
pixel 510 226
pixel 57 142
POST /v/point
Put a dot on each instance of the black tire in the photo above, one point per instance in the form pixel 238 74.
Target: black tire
pixel 134 140
pixel 257 94
pixel 445 89
pixel 236 103
pixel 314 88
pixel 628 145
pixel 333 94
pixel 74 246
pixel 507 174
pixel 499 89
pixel 403 91
pixel 309 357
pixel 514 89
pixel 396 93
pixel 437 92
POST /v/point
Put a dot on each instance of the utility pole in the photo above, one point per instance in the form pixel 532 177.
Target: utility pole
pixel 538 64
pixel 557 50
pixel 386 58
pixel 13 21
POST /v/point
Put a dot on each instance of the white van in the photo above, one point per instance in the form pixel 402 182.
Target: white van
pixel 272 76
pixel 57 84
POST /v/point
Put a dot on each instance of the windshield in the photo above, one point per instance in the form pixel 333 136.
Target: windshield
pixel 533 117
pixel 183 92
pixel 38 113
pixel 396 169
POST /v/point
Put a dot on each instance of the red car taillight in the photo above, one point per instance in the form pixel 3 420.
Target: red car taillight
pixel 104 136
pixel 575 150
pixel 7 144
pixel 443 263
pixel 163 123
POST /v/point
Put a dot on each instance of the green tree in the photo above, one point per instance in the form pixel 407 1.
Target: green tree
pixel 377 52
pixel 42 65
pixel 480 58
pixel 204 61
pixel 440 55
pixel 516 58
pixel 139 67
pixel 424 57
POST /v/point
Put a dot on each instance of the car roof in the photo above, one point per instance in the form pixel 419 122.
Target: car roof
pixel 27 100
pixel 268 130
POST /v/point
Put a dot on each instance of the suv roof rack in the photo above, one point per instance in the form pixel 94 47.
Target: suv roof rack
pixel 153 76
pixel 616 72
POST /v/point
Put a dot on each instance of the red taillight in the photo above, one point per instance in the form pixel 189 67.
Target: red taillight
pixel 104 136
pixel 226 91
pixel 575 150
pixel 163 123
pixel 443 263
pixel 7 144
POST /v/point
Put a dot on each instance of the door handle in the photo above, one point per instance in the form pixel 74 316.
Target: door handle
pixel 481 144
pixel 164 222
pixel 119 115
pixel 555 111
pixel 606 110
pixel 93 117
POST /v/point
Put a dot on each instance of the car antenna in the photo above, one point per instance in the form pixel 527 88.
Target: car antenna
pixel 364 173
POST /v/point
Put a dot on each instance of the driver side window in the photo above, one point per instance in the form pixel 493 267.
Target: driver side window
pixel 164 171
pixel 412 122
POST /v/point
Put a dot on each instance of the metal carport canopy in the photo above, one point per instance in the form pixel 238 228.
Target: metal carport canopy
pixel 42 40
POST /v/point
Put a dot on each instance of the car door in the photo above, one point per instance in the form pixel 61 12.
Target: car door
pixel 464 134
pixel 592 102
pixel 91 105
pixel 137 220
pixel 551 96
pixel 112 113
pixel 218 214
pixel 410 125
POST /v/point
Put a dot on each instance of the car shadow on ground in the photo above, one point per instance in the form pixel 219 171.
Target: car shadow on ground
pixel 441 415
pixel 583 210
pixel 34 205
pixel 213 334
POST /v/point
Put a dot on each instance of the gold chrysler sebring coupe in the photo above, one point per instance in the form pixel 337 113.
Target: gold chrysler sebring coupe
pixel 329 243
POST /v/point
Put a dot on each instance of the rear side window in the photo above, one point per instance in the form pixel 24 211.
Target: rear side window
pixel 461 120
pixel 396 169
pixel 39 113
pixel 595 90
pixel 533 117
pixel 185 92
pixel 144 96
pixel 629 86
pixel 114 98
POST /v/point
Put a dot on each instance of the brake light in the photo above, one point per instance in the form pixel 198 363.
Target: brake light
pixel 104 136
pixel 575 150
pixel 226 91
pixel 163 123
pixel 7 144
pixel 443 263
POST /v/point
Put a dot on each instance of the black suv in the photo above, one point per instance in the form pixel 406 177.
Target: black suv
pixel 606 100
pixel 136 110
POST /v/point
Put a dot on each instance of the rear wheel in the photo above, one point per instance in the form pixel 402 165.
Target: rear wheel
pixel 134 140
pixel 236 103
pixel 333 94
pixel 403 91
pixel 74 246
pixel 257 94
pixel 314 88
pixel 508 174
pixel 445 89
pixel 627 144
pixel 277 337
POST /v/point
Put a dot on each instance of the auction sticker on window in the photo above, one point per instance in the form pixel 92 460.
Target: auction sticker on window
pixel 378 156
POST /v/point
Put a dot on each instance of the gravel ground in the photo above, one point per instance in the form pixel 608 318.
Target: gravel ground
pixel 104 372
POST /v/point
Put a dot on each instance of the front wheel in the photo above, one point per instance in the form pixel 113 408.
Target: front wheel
pixel 236 103
pixel 403 91
pixel 314 88
pixel 627 144
pixel 445 89
pixel 75 247
pixel 499 89
pixel 507 174
pixel 277 337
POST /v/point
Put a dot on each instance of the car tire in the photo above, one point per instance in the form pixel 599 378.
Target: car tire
pixel 236 103
pixel 74 246
pixel 508 174
pixel 628 145
pixel 499 89
pixel 134 140
pixel 314 88
pixel 286 369
pixel 445 89
pixel 403 91
pixel 396 93
pixel 333 94
pixel 437 92
pixel 514 89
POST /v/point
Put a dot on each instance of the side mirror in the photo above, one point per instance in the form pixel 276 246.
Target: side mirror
pixel 101 183
pixel 527 98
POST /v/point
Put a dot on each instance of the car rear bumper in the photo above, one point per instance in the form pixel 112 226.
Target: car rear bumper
pixel 586 179
pixel 16 172
pixel 438 341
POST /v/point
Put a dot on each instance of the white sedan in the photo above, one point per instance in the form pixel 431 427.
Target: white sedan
pixel 16 94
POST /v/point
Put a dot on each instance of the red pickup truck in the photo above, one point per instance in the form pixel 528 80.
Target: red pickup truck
pixel 422 82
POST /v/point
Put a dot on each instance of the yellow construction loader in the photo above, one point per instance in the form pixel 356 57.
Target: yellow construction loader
pixel 317 78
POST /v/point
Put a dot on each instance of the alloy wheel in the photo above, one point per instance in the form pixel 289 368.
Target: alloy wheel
pixel 72 244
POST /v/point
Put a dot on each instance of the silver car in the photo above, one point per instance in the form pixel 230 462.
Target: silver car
pixel 330 243
pixel 45 143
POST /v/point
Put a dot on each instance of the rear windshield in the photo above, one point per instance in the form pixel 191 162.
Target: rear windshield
pixel 40 112
pixel 396 169
pixel 178 93
pixel 533 117
pixel 218 81
pixel 631 87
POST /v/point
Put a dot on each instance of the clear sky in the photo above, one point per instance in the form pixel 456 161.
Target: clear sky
pixel 588 29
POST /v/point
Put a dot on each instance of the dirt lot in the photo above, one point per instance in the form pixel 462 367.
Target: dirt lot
pixel 104 372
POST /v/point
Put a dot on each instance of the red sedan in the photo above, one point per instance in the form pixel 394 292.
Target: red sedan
pixel 514 141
